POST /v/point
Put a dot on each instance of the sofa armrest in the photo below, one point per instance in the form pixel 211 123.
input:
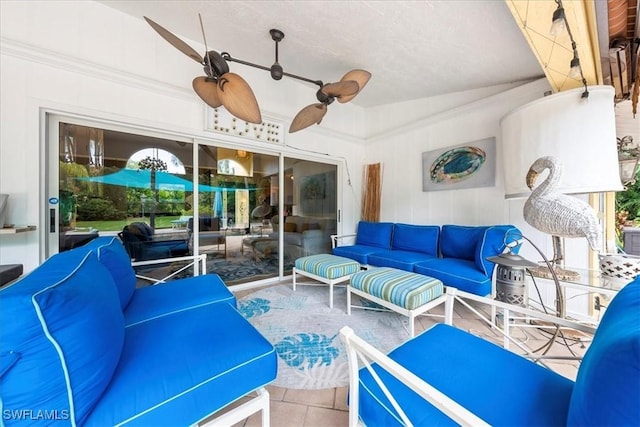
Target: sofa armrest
pixel 337 237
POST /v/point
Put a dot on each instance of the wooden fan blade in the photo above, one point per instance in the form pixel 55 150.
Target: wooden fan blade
pixel 359 76
pixel 238 98
pixel 175 41
pixel 207 90
pixel 307 116
pixel 342 88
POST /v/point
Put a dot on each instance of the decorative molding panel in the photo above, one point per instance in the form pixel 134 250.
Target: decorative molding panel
pixel 221 121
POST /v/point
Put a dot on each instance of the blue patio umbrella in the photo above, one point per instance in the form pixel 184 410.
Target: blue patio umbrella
pixel 141 178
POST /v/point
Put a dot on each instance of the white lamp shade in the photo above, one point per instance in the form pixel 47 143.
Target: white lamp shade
pixel 580 132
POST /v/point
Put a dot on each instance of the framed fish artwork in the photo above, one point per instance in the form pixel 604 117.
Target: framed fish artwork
pixel 468 165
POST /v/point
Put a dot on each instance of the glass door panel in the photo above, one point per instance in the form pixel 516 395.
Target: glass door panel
pixel 116 183
pixel 309 209
pixel 235 211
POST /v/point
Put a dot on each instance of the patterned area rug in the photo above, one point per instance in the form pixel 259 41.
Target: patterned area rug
pixel 305 332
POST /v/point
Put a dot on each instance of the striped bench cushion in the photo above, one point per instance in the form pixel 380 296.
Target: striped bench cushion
pixel 399 287
pixel 327 265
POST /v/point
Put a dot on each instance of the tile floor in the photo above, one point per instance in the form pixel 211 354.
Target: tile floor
pixel 327 407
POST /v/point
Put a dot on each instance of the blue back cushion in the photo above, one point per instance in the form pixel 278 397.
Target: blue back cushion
pixel 460 241
pixel 376 234
pixel 114 257
pixel 607 389
pixel 493 242
pixel 416 238
pixel 61 337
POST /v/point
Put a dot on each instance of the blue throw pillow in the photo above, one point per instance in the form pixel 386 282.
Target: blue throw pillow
pixel 416 238
pixel 493 242
pixel 460 241
pixel 65 338
pixel 114 257
pixel 376 234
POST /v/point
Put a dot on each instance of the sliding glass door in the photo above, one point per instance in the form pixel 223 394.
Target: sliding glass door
pixel 252 213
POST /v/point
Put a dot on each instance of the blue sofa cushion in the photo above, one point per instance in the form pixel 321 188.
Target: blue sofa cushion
pixel 499 386
pixel 376 234
pixel 492 242
pixel 180 368
pixel 150 302
pixel 114 257
pixel 458 273
pixel 607 389
pixel 403 260
pixel 358 253
pixel 416 238
pixel 68 336
pixel 459 241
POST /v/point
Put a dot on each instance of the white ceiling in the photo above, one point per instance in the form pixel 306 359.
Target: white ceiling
pixel 414 49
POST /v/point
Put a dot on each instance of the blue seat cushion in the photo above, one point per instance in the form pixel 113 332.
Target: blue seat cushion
pixel 416 238
pixel 356 252
pixel 403 260
pixel 165 298
pixel 65 327
pixel 376 234
pixel 180 368
pixel 458 273
pixel 499 386
pixel 607 389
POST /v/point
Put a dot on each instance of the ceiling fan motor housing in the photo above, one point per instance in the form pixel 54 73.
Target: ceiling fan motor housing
pixel 276 71
pixel 324 98
pixel 218 65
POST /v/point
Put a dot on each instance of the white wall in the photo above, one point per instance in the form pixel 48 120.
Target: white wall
pixel 87 59
pixel 470 116
pixel 83 58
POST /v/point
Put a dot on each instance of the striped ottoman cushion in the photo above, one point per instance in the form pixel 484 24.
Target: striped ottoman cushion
pixel 327 265
pixel 399 287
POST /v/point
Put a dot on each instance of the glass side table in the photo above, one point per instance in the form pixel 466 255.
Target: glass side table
pixel 585 296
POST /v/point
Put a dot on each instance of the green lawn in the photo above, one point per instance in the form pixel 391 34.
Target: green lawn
pixel 118 225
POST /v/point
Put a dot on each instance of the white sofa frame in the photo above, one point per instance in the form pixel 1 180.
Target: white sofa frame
pixel 411 314
pixel 233 416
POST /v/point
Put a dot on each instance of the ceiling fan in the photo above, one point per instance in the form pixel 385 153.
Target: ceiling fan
pixel 220 87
